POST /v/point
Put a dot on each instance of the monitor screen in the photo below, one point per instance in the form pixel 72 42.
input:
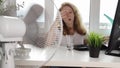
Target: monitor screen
pixel 114 41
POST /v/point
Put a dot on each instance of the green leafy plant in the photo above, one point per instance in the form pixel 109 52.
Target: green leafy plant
pixel 109 18
pixel 5 7
pixel 2 9
pixel 95 39
pixel 1 2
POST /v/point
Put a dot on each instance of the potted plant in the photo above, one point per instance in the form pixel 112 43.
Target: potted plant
pixel 95 41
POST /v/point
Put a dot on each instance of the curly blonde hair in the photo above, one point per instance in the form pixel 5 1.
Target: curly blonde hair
pixel 78 26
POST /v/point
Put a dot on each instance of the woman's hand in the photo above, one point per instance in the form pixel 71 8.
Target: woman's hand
pixel 63 14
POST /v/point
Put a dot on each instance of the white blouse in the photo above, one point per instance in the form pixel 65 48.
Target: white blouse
pixel 77 39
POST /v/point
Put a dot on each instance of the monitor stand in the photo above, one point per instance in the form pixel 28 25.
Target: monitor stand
pixel 114 52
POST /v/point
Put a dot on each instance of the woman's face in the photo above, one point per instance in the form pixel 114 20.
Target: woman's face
pixel 67 16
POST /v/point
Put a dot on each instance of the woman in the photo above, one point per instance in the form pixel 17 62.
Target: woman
pixel 72 24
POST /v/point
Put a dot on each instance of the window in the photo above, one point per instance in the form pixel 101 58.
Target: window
pixel 93 13
pixel 107 11
pixel 24 5
pixel 98 21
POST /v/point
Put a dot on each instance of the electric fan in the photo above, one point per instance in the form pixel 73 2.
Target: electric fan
pixel 23 36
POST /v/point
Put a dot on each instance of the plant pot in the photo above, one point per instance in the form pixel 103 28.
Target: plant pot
pixel 94 52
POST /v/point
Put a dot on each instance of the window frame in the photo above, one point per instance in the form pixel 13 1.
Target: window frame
pixel 94 18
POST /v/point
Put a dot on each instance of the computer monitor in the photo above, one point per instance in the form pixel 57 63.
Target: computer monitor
pixel 114 41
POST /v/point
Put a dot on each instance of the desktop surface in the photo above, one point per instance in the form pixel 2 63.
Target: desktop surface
pixel 74 58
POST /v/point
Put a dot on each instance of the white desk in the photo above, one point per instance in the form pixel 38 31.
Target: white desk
pixel 75 58
pixel 63 57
